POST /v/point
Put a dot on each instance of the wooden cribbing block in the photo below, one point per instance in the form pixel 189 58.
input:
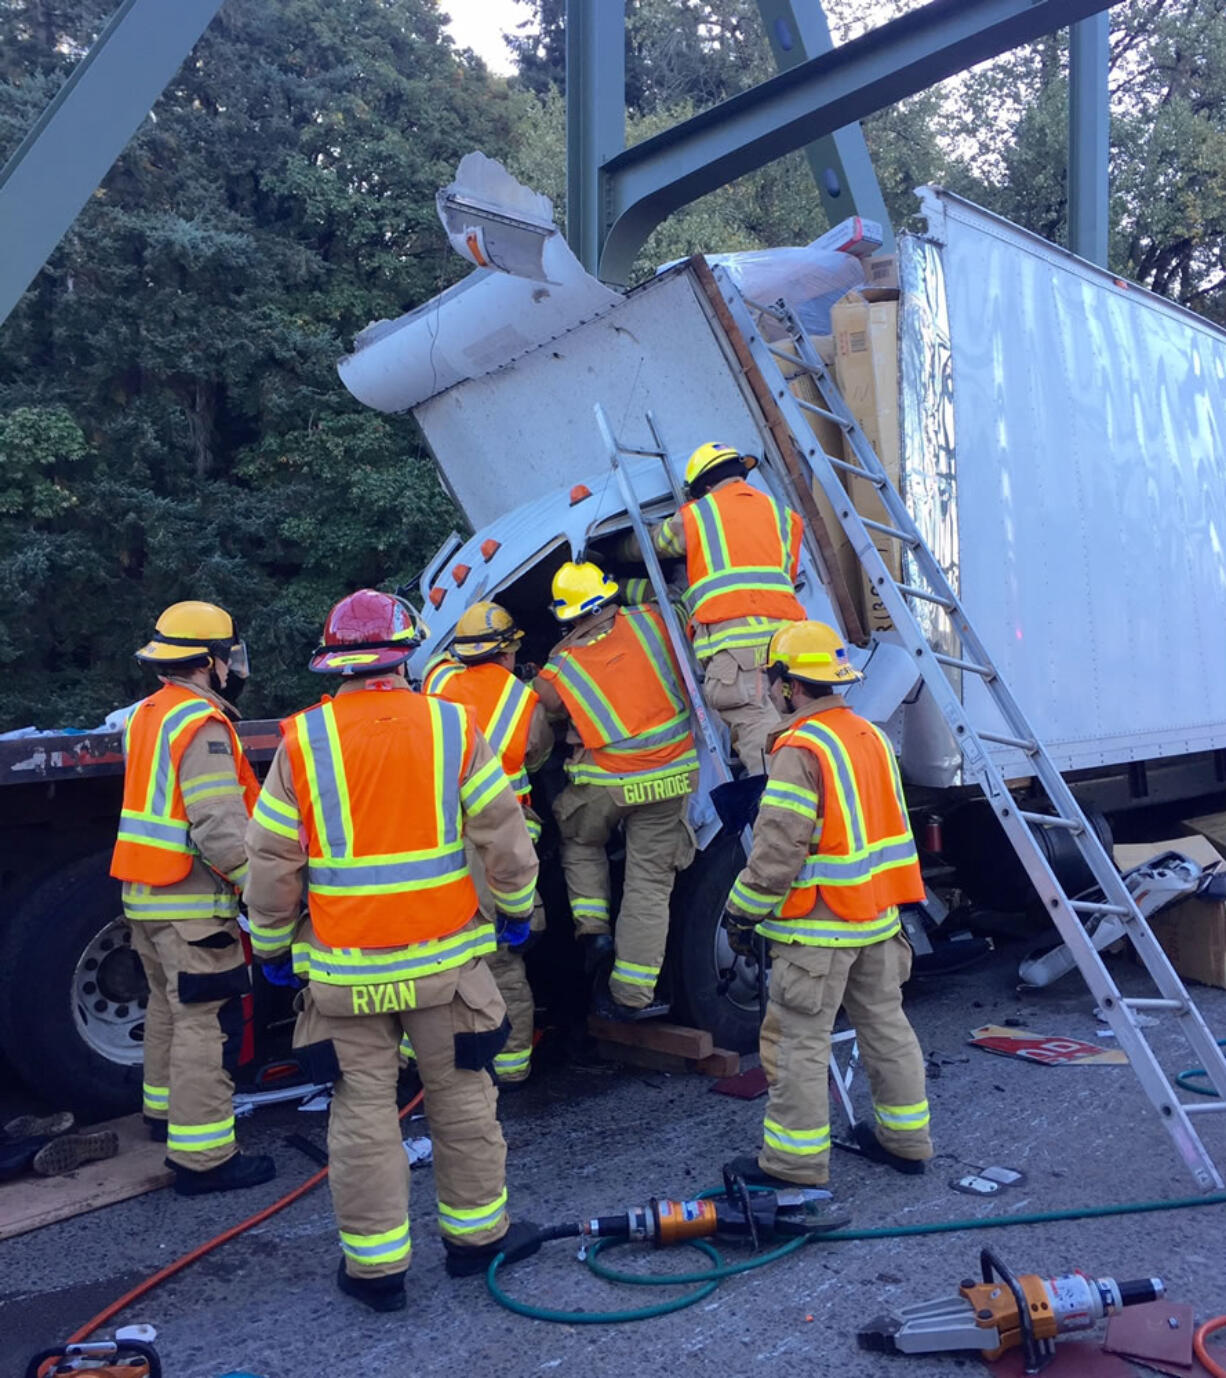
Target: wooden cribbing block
pixel 690 1044
pixel 721 1063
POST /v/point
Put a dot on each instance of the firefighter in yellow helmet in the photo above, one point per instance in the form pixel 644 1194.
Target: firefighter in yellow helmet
pixel 832 859
pixel 614 679
pixel 479 672
pixel 180 853
pixel 370 800
pixel 742 558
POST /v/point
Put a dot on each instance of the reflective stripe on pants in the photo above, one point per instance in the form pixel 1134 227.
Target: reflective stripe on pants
pixel 187 1083
pixel 807 987
pixel 369 1176
pixel 658 844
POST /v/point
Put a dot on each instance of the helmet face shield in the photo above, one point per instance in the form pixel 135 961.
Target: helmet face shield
pixel 239 661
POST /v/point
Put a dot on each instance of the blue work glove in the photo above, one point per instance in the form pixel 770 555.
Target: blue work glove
pixel 511 932
pixel 281 973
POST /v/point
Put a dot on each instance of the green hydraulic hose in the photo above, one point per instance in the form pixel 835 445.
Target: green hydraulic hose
pixel 1190 1075
pixel 710 1278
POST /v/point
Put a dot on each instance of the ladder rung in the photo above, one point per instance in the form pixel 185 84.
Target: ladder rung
pixel 1098 907
pixel 762 307
pixel 1147 1003
pixel 913 592
pixel 1019 742
pixel 985 670
pixel 1051 820
pixel 790 357
pixel 829 415
pixel 892 532
pixel 1204 1107
pixel 855 469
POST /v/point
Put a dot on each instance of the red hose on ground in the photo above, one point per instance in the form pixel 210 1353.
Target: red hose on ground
pixel 142 1288
pixel 1198 1346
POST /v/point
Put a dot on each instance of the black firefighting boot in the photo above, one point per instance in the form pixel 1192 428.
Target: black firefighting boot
pixel 522 1240
pixel 243 1170
pixel 384 1293
pixel 747 1167
pixel 871 1148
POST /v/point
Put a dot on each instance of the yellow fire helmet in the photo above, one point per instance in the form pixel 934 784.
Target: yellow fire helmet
pixel 579 589
pixel 811 651
pixel 707 456
pixel 187 631
pixel 484 630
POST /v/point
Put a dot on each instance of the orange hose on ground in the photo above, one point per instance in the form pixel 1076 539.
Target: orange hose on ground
pixel 1198 1346
pixel 140 1290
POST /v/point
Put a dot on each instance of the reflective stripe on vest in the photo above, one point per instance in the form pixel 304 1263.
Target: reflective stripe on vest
pixel 366 888
pixel 503 705
pixel 862 858
pixel 153 845
pixel 377 966
pixel 645 683
pixel 742 548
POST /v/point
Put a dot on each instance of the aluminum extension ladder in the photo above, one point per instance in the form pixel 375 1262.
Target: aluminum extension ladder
pixel 705 732
pixel 933 588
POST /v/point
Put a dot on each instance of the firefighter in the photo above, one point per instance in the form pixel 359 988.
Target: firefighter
pixel 832 859
pixel 480 673
pixel 615 679
pixel 188 791
pixel 371 799
pixel 742 557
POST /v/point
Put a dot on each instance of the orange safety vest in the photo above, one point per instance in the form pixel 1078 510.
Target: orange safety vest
pixel 622 694
pixel 377 775
pixel 742 554
pixel 862 859
pixel 154 846
pixel 503 706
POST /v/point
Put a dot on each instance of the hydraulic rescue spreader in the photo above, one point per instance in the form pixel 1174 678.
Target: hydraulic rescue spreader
pixel 1004 1311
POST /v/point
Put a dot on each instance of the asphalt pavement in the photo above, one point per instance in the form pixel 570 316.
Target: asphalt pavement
pixel 584 1140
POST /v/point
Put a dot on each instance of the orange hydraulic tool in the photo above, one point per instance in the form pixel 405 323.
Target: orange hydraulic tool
pixel 1004 1311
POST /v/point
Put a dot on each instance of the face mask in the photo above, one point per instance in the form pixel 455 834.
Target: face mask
pixel 233 687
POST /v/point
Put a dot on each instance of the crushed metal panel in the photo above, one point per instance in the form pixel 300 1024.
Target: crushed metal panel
pixel 1091 493
pixel 514 435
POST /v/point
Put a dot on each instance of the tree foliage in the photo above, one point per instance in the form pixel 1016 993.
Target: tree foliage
pixel 998 134
pixel 171 420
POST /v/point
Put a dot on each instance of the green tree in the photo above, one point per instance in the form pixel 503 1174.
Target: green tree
pixel 171 420
pixel 681 59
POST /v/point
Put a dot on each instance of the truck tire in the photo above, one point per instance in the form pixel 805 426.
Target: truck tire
pixel 72 1017
pixel 700 950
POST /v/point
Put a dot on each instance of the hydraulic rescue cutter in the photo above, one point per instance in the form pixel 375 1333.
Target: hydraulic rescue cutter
pixel 1005 1311
pixel 741 1212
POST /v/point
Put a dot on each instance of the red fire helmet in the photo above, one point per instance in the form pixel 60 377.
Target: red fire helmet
pixel 366 632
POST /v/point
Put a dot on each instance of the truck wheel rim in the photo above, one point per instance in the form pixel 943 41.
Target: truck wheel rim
pixel 110 994
pixel 743 992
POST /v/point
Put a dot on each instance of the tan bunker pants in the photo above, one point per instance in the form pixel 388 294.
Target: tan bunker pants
pixel 455 1014
pixel 515 1061
pixel 659 843
pixel 807 987
pixel 737 689
pixel 193 1030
